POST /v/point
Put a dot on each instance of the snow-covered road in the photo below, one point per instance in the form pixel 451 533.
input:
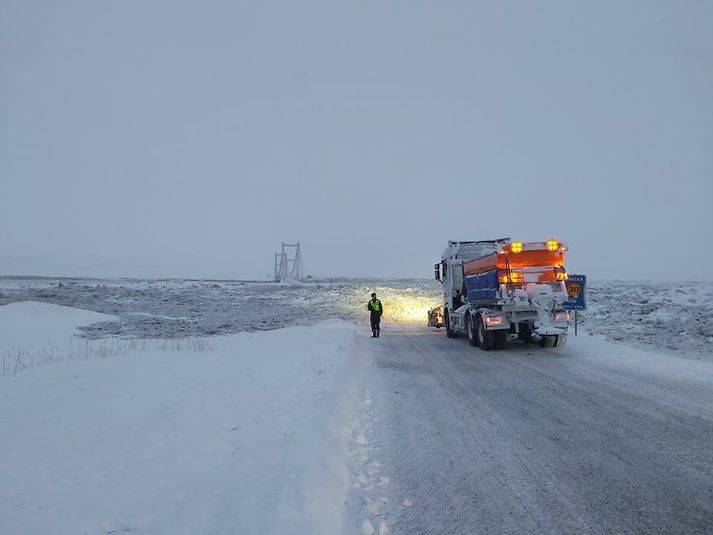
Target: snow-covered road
pixel 594 438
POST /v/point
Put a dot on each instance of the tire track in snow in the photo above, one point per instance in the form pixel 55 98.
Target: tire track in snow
pixel 368 481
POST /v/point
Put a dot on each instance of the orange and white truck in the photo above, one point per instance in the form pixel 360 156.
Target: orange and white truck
pixel 500 290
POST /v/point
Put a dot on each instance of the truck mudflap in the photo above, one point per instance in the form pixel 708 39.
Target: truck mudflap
pixel 549 336
pixel 548 331
pixel 551 340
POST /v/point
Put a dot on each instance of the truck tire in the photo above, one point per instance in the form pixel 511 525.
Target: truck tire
pixel 470 330
pixel 500 339
pixel 525 333
pixel 447 320
pixel 486 339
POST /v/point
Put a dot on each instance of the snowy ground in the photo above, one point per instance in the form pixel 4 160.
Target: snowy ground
pixel 250 435
pixel 320 430
pixel 177 308
pixel 675 317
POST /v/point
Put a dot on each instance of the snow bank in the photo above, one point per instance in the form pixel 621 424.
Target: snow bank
pixel 641 360
pixel 246 438
pixel 34 327
pixel 677 317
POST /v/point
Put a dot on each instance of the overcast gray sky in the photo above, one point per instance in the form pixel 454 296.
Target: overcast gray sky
pixel 166 138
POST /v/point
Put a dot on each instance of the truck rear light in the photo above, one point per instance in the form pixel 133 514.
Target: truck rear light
pixel 494 320
pixel 562 316
pixel 516 247
pixel 553 245
pixel 560 273
pixel 513 277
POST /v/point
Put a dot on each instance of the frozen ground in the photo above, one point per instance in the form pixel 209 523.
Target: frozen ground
pixel 676 317
pixel 668 316
pixel 322 430
pixel 178 308
pixel 34 333
pixel 249 436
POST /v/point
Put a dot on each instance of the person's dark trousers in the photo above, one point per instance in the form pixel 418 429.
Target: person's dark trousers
pixel 375 321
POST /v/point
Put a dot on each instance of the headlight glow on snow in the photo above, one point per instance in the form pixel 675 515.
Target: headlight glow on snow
pixel 408 310
pixel 405 306
pixel 401 304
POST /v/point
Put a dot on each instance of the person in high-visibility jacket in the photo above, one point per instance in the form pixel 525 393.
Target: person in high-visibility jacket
pixel 376 309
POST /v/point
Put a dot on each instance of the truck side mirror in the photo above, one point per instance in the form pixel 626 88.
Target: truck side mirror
pixel 437 270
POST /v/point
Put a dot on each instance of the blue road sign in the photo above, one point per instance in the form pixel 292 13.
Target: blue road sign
pixel 576 285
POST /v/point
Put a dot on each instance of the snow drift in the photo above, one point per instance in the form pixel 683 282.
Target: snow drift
pixel 245 438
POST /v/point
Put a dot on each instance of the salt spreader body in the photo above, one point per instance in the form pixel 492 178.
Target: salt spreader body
pixel 500 290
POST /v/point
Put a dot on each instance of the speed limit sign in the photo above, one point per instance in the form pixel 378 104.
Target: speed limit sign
pixel 575 292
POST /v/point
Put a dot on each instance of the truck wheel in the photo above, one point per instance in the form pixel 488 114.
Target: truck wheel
pixel 470 331
pixel 486 340
pixel 500 339
pixel 525 333
pixel 447 321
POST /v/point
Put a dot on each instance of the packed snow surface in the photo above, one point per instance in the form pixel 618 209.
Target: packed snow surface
pixel 671 316
pixel 35 327
pixel 245 437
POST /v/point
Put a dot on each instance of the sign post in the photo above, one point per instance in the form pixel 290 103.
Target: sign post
pixel 576 321
pixel 576 300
